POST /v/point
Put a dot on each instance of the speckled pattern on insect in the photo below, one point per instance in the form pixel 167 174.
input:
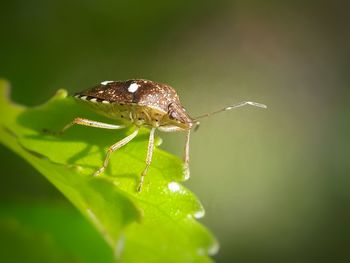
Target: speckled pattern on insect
pixel 140 103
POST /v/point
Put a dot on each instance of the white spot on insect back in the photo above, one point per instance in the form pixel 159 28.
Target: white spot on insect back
pixel 106 82
pixel 133 87
pixel 93 100
pixel 105 102
pixel 174 187
pixel 83 97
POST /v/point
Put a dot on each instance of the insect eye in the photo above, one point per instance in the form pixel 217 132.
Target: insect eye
pixel 172 115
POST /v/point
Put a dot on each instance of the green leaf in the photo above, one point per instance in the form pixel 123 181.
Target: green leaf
pixel 157 225
pixel 48 232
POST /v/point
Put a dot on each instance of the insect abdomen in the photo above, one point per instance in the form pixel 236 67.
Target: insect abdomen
pixel 129 113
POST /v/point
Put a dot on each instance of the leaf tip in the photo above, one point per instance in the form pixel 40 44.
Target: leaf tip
pixel 60 94
pixel 5 89
pixel 199 214
pixel 214 248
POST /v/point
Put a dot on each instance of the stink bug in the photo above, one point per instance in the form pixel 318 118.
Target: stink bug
pixel 139 102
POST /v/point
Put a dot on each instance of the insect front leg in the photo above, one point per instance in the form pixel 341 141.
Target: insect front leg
pixel 187 154
pixel 186 157
pixel 115 147
pixel 148 158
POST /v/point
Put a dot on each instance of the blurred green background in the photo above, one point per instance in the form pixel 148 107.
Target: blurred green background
pixel 275 183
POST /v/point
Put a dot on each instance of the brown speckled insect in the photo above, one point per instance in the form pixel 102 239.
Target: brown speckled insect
pixel 139 102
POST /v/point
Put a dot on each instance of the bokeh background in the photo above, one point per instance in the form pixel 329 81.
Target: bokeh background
pixel 275 183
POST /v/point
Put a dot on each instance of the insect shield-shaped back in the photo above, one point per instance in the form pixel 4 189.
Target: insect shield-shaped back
pixel 138 101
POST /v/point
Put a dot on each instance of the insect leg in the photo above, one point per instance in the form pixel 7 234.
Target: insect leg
pixel 148 158
pixel 186 157
pixel 96 124
pixel 115 147
pixel 187 154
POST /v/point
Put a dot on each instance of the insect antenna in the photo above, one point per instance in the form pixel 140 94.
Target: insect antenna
pixel 231 107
